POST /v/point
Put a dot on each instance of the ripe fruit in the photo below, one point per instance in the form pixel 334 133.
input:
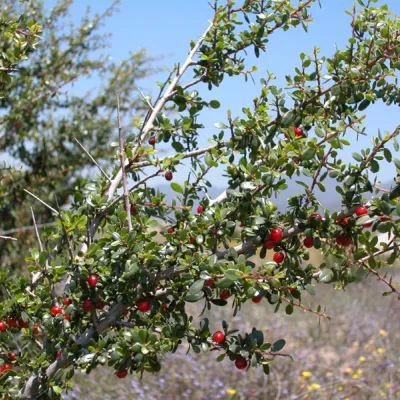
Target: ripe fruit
pixel 240 362
pixel 17 125
pixel 7 367
pixel 269 244
pixel 22 323
pixel 361 211
pixel 168 176
pixel 13 356
pixel 87 305
pixel 92 280
pixel 67 301
pixel 67 317
pixel 192 240
pixel 133 209
pixel 279 257
pixel 199 209
pixel 346 241
pixel 144 306
pixel 35 329
pixel 342 220
pixel 56 310
pixel 164 306
pixel 58 355
pixel 256 299
pixel 3 326
pixel 317 216
pixel 99 305
pixel 11 322
pixel 121 374
pixel 210 283
pixel 368 225
pixel 218 337
pixel 308 242
pixel 171 230
pixel 297 131
pixel 225 294
pixel 276 235
pixel 152 140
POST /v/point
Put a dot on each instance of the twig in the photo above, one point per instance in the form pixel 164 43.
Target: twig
pixel 7 238
pixel 122 158
pixel 26 228
pixel 36 230
pixel 93 160
pixel 145 98
pixel 309 309
pixel 41 201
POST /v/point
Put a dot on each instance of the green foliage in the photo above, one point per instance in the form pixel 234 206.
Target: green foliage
pixel 137 311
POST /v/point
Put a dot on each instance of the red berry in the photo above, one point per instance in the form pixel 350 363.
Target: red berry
pixel 67 317
pixel 17 125
pixel 13 356
pixel 225 294
pixel 133 209
pixel 144 306
pixel 361 211
pixel 35 329
pixel 308 242
pixel 92 280
pixel 199 209
pixel 342 220
pixel 22 323
pixel 317 216
pixel 12 323
pixel 241 224
pixel 269 244
pixel 3 326
pixel 279 257
pixel 218 337
pixel 256 299
pixel 368 225
pixel 346 241
pixel 164 306
pixel 171 230
pixel 122 374
pixel 56 310
pixel 152 140
pixel 99 305
pixel 7 367
pixel 192 240
pixel 1 369
pixel 276 235
pixel 297 131
pixel 339 239
pixel 58 355
pixel 67 301
pixel 87 305
pixel 240 362
pixel 383 219
pixel 210 283
pixel 168 176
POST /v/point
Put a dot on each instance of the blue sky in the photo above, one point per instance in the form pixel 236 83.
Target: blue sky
pixel 166 27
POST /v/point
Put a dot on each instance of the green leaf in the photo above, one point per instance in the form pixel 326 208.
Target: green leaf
pixel 220 125
pixel 289 309
pixel 358 157
pixel 220 357
pixel 310 289
pixel 278 345
pixel 231 274
pixel 196 287
pixel 192 298
pixel 309 154
pixel 326 275
pixel 176 187
pixel 215 104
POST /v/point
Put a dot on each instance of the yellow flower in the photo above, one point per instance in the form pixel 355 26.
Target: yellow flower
pixel 355 376
pixel 382 332
pixel 232 392
pixel 347 398
pixel 314 386
pixel 380 350
pixel 388 385
pixel 348 370
pixel 306 374
pixel 340 388
pixel 362 358
pixel 382 394
pixel 359 371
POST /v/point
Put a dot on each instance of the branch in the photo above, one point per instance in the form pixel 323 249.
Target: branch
pixel 7 238
pixel 122 158
pixel 41 201
pixel 93 160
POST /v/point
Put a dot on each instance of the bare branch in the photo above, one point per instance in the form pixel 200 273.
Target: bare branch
pixel 36 230
pixel 122 158
pixel 41 201
pixel 7 238
pixel 93 160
